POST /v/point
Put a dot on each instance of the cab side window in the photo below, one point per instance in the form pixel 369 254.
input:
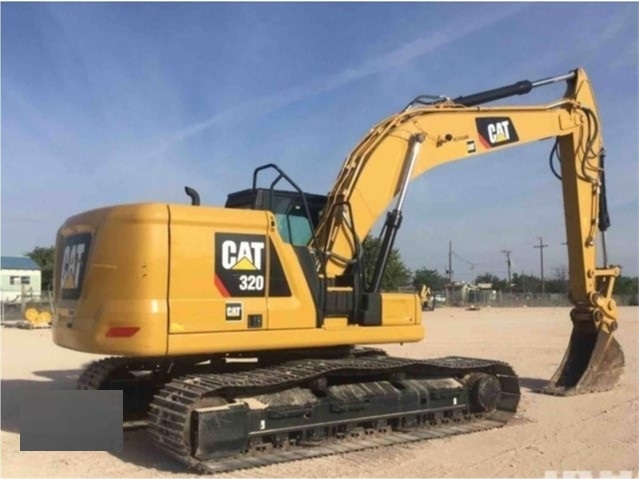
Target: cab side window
pixel 294 229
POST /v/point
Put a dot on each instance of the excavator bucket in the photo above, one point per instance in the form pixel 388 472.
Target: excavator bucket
pixel 593 362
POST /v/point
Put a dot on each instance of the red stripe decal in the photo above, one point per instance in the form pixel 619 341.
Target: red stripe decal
pixel 483 142
pixel 220 287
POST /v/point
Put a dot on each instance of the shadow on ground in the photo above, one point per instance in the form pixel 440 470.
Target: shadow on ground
pixel 533 384
pixel 137 448
pixel 14 391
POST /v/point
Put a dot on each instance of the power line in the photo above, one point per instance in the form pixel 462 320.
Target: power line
pixel 472 265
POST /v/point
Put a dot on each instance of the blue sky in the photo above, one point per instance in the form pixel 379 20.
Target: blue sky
pixel 116 102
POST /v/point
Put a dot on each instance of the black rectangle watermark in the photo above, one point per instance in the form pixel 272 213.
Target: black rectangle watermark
pixel 73 420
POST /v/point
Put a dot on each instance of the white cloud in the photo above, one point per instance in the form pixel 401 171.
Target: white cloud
pixel 454 30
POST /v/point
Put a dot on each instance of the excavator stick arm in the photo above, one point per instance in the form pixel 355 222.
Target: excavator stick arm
pixel 426 135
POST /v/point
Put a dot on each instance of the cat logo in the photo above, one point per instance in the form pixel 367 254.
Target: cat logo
pixel 499 132
pixel 233 311
pixel 242 255
pixel 240 265
pixel 75 253
pixel 496 131
pixel 72 261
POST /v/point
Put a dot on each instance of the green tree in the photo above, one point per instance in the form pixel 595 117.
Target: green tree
pixel 627 285
pixel 429 277
pixel 499 284
pixel 559 281
pixel 44 257
pixel 526 283
pixel 396 274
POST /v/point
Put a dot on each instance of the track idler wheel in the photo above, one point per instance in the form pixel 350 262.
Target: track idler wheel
pixel 594 362
pixel 484 391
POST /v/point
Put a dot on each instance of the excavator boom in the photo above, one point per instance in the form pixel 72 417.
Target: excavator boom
pixel 428 134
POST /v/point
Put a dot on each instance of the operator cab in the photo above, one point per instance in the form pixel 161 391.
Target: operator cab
pixel 297 213
pixel 293 222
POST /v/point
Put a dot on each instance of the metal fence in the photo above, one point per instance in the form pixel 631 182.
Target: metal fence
pixel 501 299
pixel 14 310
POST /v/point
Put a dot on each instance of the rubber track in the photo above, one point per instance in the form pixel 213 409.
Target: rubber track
pixel 98 372
pixel 170 410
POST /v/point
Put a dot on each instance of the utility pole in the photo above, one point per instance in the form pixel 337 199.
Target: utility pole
pixel 541 247
pixel 450 262
pixel 507 253
pixel 449 271
pixel 567 285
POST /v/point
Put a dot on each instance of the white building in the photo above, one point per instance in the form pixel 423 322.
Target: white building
pixel 19 276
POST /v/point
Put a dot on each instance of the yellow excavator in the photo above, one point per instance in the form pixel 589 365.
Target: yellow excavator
pixel 427 298
pixel 245 335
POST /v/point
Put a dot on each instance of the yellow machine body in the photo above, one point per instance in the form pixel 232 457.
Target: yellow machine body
pixel 238 327
pixel 145 280
pixel 178 280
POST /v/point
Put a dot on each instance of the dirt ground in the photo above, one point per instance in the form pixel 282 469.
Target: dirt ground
pixel 597 432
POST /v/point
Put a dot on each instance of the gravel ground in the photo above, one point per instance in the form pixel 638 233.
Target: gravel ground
pixel 597 432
